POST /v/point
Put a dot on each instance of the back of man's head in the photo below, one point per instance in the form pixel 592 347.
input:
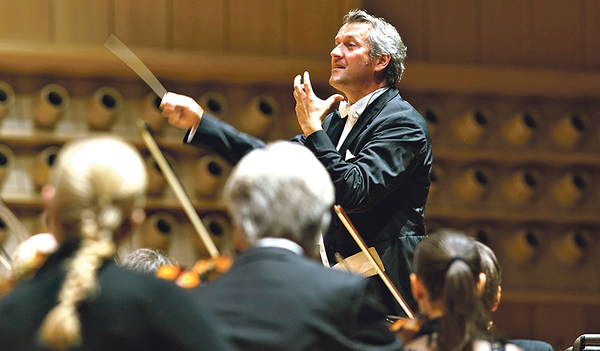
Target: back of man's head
pixel 280 191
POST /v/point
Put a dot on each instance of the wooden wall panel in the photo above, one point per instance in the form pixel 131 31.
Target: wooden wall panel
pixel 504 35
pixel 513 319
pixel 346 5
pixel 592 322
pixel 308 31
pixel 452 38
pixel 408 16
pixel 556 324
pixel 82 21
pixel 559 325
pixel 592 39
pixel 25 20
pixel 142 23
pixel 557 27
pixel 256 26
pixel 198 25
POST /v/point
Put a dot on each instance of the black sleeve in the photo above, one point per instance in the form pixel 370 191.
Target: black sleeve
pixel 223 139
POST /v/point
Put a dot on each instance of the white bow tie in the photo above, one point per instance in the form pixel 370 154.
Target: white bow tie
pixel 346 109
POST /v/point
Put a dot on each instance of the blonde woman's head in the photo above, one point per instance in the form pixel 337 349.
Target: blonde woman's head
pixel 99 179
pixel 97 186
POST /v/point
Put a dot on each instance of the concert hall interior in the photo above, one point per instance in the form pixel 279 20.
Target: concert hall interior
pixel 510 90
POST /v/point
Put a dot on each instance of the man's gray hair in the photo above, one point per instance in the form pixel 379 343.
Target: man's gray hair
pixel 384 39
pixel 144 260
pixel 281 191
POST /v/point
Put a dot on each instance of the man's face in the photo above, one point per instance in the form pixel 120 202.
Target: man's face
pixel 350 62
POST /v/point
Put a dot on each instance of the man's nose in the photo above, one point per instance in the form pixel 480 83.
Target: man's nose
pixel 337 51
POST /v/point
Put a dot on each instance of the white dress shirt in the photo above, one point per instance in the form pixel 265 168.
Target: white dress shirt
pixel 354 112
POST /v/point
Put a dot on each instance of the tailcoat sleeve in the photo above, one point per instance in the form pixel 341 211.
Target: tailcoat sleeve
pixel 223 139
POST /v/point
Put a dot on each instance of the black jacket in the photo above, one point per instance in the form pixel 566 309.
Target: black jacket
pixel 273 299
pixel 130 311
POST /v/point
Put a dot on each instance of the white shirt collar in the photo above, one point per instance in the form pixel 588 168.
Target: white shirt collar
pixel 359 107
pixel 281 243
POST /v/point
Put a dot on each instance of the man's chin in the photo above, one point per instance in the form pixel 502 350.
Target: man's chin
pixel 336 82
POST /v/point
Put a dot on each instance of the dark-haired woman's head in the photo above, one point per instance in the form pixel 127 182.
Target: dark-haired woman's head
pixel 447 282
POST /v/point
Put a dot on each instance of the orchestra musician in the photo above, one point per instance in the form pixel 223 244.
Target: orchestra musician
pixel 80 298
pixel 274 297
pixel 377 148
pixel 448 283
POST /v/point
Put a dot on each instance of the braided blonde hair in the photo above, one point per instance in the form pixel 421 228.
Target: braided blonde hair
pixel 98 181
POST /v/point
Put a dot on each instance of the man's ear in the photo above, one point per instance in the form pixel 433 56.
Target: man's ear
pixel 382 62
pixel 240 244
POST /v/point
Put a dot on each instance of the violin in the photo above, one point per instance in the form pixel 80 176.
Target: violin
pixel 204 270
pixel 26 268
pixel 29 256
pixel 406 328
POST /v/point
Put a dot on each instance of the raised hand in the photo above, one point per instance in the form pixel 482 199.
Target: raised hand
pixel 310 110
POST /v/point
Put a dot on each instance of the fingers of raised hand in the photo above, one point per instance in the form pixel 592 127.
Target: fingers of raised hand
pixel 307 85
pixel 298 88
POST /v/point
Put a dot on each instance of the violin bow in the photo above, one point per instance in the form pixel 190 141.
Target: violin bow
pixel 131 60
pixel 363 247
pixel 177 189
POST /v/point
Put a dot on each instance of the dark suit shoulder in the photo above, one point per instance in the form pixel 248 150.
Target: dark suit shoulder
pixel 401 110
pixel 307 278
pixel 274 299
pixel 286 262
